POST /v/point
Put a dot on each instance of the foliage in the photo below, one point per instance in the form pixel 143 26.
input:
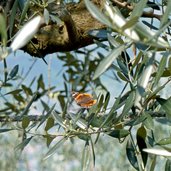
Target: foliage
pixel 133 54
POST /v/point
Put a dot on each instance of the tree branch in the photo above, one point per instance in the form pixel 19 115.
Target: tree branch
pixel 37 118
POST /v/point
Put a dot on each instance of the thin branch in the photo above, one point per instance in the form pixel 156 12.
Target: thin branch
pixel 37 118
pixel 149 14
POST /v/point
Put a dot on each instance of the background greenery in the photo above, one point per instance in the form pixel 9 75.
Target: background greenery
pixel 129 74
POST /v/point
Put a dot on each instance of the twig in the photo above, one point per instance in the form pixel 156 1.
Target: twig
pixel 127 5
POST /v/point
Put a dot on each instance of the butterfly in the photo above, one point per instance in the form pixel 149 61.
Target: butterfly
pixel 84 100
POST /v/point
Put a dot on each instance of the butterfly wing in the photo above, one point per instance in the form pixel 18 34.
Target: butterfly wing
pixel 85 100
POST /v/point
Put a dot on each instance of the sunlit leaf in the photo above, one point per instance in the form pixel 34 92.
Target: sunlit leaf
pixel 130 23
pixel 159 152
pixel 118 21
pixel 26 33
pixel 97 13
pixel 144 79
pixel 106 62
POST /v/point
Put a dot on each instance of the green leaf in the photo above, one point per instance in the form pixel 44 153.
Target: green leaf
pixel 119 133
pixel 107 98
pixel 160 69
pixel 96 13
pixel 41 83
pixel 169 64
pixel 122 76
pixel 27 90
pixel 79 121
pixel 130 23
pixel 49 139
pixel 137 59
pixel 100 102
pixel 14 92
pixel 150 37
pixel 54 148
pixel 141 136
pixel 131 154
pixel 22 145
pixel 166 106
pixel 46 16
pixel 138 9
pixel 59 119
pixel 168 165
pixel 24 11
pixel 93 152
pixel 3 29
pixel 85 157
pixel 25 122
pixel 12 17
pixel 5 130
pixel 25 111
pixel 111 115
pixel 166 14
pixel 164 141
pixel 84 137
pixel 107 62
pixel 14 72
pixel 61 99
pixel 49 123
pixel 45 106
pixel 153 164
pixel 128 105
pixel 46 116
pixel 148 122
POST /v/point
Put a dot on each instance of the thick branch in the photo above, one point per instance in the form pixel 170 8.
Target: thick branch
pixel 73 33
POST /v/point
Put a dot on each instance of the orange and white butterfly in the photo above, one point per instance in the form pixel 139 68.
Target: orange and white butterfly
pixel 84 100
